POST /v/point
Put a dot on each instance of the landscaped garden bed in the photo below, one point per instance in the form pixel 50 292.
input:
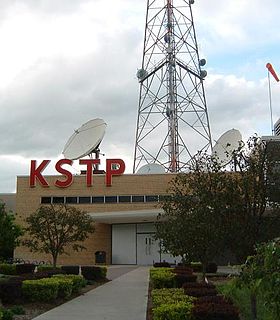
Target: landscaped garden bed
pixel 25 294
pixel 176 294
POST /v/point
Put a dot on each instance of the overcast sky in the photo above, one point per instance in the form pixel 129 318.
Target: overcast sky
pixel 65 62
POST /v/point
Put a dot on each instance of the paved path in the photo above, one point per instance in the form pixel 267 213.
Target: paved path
pixel 124 298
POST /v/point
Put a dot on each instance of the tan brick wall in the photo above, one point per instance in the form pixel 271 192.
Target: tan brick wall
pixel 28 200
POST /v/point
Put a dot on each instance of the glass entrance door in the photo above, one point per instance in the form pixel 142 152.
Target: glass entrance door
pixel 147 249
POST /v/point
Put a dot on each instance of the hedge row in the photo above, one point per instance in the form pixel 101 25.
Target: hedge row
pixel 194 301
pixel 171 304
pixel 11 290
pixel 162 278
pixel 49 289
pixel 89 272
pixel 170 278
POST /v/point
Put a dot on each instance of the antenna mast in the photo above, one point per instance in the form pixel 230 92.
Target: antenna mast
pixel 172 124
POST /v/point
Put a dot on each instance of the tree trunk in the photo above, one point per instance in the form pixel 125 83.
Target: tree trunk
pixel 204 264
pixel 54 260
pixel 254 306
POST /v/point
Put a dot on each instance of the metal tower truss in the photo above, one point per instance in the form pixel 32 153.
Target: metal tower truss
pixel 172 124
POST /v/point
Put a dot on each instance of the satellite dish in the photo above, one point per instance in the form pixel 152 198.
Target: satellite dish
pixel 151 168
pixel 226 145
pixel 85 140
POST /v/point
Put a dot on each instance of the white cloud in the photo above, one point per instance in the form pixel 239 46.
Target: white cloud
pixel 65 62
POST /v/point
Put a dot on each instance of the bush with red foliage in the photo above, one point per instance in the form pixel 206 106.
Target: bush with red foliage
pixel 10 291
pixel 199 289
pixel 212 299
pixel 215 310
pixel 71 269
pixel 211 267
pixel 161 265
pixel 24 268
pixel 180 279
pixel 183 270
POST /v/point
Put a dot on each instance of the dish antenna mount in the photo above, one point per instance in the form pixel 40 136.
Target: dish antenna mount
pixel 226 145
pixel 85 141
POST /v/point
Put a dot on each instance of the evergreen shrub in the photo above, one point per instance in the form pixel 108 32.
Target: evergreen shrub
pixel 175 311
pixel 44 290
pixel 8 269
pixel 94 273
pixel 25 268
pixel 162 278
pixel 78 282
pixel 71 269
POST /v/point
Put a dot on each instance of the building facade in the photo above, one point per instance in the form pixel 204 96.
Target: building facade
pixel 124 216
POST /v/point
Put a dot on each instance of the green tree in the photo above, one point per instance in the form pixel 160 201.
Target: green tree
pixel 257 210
pixel 261 274
pixel 9 232
pixel 198 212
pixel 51 229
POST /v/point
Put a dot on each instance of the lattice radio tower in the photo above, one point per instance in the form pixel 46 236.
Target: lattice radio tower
pixel 173 123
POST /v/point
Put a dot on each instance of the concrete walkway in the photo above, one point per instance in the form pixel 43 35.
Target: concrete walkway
pixel 123 298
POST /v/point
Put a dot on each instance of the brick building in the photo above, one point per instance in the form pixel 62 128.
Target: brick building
pixel 124 215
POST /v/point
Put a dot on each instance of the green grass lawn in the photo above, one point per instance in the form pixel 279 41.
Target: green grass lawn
pixel 241 298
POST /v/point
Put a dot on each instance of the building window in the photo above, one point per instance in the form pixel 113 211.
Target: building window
pixel 111 199
pixel 138 199
pixel 163 197
pixel 97 199
pixel 71 200
pixel 46 200
pixel 124 198
pixel 153 198
pixel 84 199
pixel 58 200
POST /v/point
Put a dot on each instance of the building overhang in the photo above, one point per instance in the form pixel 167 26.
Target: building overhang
pixel 135 216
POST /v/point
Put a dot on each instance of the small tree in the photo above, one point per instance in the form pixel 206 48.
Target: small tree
pixel 9 233
pixel 52 228
pixel 261 274
pixel 258 217
pixel 197 213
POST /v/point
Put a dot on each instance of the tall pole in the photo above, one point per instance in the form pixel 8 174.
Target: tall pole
pixel 270 103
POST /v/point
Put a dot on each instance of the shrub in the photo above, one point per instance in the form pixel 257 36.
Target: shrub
pixel 78 282
pixel 214 311
pixel 156 270
pixel 47 267
pixel 8 269
pixel 25 268
pixel 162 278
pixel 183 270
pixel 7 314
pixel 94 273
pixel 212 299
pixel 71 269
pixel 211 267
pixel 169 296
pixel 161 265
pixel 196 266
pixel 10 290
pixel 180 279
pixel 44 290
pixel 65 287
pixel 18 310
pixel 199 289
pixel 177 311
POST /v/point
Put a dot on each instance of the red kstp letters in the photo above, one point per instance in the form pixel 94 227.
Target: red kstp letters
pixel 114 167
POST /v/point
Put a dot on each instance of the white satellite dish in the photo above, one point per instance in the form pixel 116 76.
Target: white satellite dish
pixel 151 168
pixel 226 145
pixel 85 140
